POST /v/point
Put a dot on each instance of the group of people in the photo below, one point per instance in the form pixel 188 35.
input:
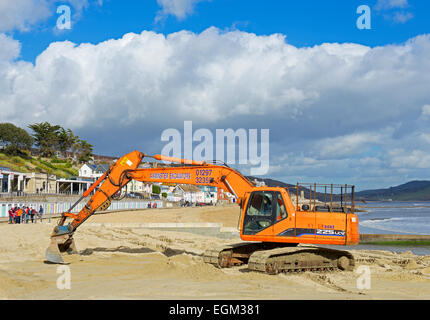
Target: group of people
pixel 19 215
pixel 154 205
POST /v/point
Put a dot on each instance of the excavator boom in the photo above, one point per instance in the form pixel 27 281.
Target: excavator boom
pixel 126 169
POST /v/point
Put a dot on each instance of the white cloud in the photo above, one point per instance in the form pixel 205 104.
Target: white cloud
pixel 402 17
pixel 9 48
pixel 80 5
pixel 401 158
pixel 390 4
pixel 425 111
pixel 213 76
pixel 23 15
pixel 370 161
pixel 178 8
pixel 391 10
pixel 346 146
pixel 330 105
pixel 425 137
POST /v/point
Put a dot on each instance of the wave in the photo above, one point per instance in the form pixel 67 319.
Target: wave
pixel 410 225
pixel 363 213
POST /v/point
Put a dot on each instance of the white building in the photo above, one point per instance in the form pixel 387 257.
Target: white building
pixel 259 183
pixel 73 186
pixel 135 186
pixel 94 171
pixel 176 195
pixel 193 193
pixel 185 192
pixel 13 181
pixel 211 194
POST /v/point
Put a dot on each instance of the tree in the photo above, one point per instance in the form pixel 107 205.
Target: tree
pixel 14 139
pixel 76 145
pixel 85 151
pixel 51 138
pixel 66 140
pixel 46 137
pixel 156 189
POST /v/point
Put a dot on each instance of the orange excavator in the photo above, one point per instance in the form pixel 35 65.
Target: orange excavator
pixel 279 235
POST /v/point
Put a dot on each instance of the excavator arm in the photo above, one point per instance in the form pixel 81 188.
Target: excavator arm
pixel 126 169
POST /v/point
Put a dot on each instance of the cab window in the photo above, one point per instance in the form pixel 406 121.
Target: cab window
pixel 281 211
pixel 260 204
pixel 259 212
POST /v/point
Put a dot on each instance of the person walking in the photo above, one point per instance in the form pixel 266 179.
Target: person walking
pixel 27 214
pixel 40 213
pixel 18 215
pixel 23 214
pixel 11 216
pixel 32 212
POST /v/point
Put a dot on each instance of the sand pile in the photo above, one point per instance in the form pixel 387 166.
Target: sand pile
pixel 138 263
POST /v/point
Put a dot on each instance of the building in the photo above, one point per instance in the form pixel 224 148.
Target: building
pixel 176 195
pixel 259 183
pixel 193 193
pixel 184 193
pixel 165 189
pixel 37 182
pixel 225 196
pixel 12 181
pixel 94 171
pixel 73 185
pixel 135 187
pixel 211 194
pixel 19 182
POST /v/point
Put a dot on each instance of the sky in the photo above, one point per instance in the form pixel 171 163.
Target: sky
pixel 343 103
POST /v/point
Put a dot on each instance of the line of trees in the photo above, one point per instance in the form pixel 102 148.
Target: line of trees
pixel 14 139
pixel 49 139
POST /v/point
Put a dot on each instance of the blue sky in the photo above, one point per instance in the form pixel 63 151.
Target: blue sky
pixel 343 105
pixel 305 23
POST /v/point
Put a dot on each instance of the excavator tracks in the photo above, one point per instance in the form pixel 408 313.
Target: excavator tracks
pixel 229 256
pixel 272 259
pixel 300 259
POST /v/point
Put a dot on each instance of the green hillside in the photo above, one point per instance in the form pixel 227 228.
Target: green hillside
pixel 411 191
pixel 59 167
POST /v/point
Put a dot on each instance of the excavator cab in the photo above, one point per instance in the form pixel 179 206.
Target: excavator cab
pixel 269 215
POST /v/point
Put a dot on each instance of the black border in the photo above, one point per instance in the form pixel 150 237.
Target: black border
pixel 268 309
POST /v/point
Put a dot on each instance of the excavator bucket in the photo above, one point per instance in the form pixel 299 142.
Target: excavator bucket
pixel 59 245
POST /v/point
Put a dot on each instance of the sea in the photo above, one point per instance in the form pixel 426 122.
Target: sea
pixel 393 217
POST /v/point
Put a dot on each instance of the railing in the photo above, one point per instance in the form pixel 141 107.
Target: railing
pixel 20 194
pixel 324 197
pixel 25 194
pixel 57 207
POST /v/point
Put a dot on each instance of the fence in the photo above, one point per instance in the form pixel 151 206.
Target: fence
pixel 59 207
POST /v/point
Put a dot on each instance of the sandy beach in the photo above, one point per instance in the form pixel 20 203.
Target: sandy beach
pixel 121 260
